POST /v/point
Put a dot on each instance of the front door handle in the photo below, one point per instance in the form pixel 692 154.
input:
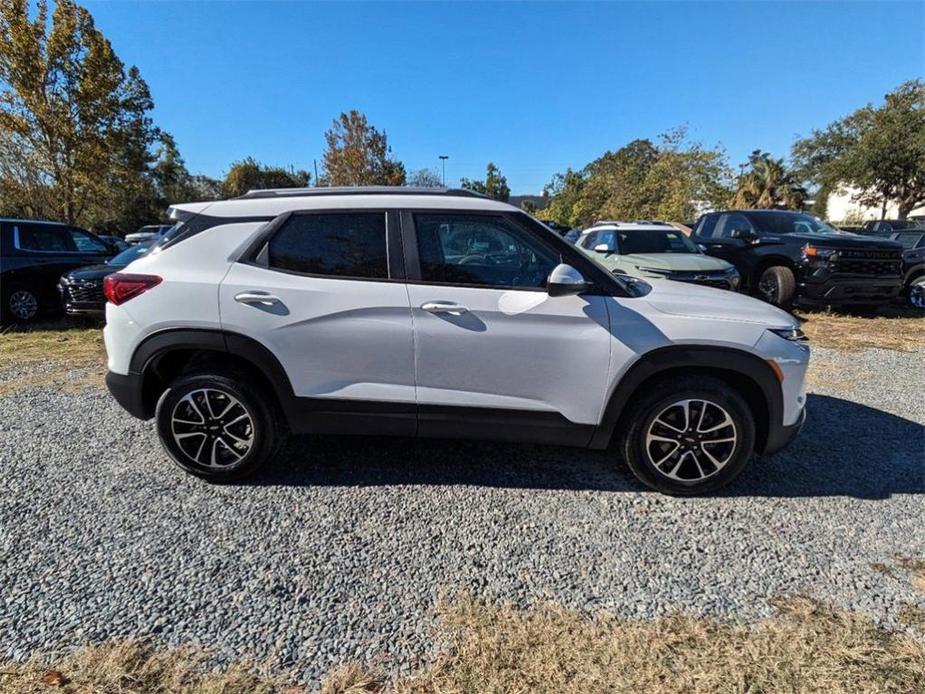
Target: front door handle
pixel 261 298
pixel 444 307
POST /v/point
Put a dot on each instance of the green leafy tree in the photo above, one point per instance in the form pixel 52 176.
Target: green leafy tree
pixel 359 155
pixel 666 179
pixel 249 174
pixel 878 152
pixel 75 134
pixel 494 186
pixel 768 184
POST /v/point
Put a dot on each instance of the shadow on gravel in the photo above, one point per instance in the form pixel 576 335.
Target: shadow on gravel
pixel 845 449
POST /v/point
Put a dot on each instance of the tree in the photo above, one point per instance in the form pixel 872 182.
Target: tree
pixel 877 152
pixel 425 178
pixel 528 206
pixel 358 155
pixel 249 174
pixel 768 184
pixel 666 179
pixel 75 134
pixel 494 186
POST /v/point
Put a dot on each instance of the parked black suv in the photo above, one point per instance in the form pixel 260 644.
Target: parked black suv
pixel 786 257
pixel 33 255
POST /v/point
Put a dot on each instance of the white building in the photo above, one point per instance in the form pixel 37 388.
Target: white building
pixel 841 208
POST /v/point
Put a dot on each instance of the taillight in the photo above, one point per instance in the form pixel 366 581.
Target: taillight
pixel 119 287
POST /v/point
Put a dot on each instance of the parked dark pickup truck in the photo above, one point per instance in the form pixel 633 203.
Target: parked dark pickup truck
pixel 790 257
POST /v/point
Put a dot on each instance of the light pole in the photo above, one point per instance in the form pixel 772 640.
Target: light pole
pixel 443 158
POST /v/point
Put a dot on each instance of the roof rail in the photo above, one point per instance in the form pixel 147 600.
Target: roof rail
pixel 358 190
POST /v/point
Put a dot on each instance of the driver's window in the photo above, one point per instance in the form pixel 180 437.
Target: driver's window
pixel 480 250
pixel 729 222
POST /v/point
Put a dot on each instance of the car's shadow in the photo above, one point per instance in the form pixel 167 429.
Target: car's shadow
pixel 845 449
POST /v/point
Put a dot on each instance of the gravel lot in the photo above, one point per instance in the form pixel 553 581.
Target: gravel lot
pixel 341 548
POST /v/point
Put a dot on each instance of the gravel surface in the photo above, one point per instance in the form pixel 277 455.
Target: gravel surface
pixel 339 550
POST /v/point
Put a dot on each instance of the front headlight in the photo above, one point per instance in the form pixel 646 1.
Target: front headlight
pixel 791 334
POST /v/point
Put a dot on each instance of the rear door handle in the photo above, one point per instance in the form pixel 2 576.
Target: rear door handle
pixel 444 307
pixel 261 298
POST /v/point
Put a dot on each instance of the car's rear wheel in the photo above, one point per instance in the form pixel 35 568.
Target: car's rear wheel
pixel 20 304
pixel 217 426
pixel 777 286
pixel 688 436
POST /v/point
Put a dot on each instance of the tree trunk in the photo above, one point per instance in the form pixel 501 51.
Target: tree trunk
pixel 904 209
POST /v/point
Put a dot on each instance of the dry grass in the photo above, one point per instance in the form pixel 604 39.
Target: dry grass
pixel 902 330
pixel 130 667
pixel 804 648
pixel 72 357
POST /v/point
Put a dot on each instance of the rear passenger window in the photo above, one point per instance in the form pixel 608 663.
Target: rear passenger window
pixel 339 245
pixel 43 238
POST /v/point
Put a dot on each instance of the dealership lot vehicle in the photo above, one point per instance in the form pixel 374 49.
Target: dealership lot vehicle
pixel 151 232
pixel 33 255
pixel 913 243
pixel 787 257
pixel 82 289
pixel 434 313
pixel 655 249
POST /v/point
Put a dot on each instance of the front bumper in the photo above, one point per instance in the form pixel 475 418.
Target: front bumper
pixel 851 290
pixel 82 298
pixel 127 389
pixel 781 436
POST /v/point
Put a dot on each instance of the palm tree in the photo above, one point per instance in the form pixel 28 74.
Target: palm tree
pixel 768 185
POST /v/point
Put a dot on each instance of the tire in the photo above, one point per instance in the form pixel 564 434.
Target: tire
pixel 777 286
pixel 230 442
pixel 915 293
pixel 20 304
pixel 682 464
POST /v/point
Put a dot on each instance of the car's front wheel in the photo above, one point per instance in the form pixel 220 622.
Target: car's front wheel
pixel 688 436
pixel 217 426
pixel 916 292
pixel 777 285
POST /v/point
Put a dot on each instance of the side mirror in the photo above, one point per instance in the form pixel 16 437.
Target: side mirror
pixel 603 248
pixel 565 280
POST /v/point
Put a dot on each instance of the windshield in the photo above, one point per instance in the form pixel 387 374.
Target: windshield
pixel 653 241
pixel 129 254
pixel 790 223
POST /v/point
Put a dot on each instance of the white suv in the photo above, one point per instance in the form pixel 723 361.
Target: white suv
pixel 431 312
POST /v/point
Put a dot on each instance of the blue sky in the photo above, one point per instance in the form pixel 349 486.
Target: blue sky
pixel 536 88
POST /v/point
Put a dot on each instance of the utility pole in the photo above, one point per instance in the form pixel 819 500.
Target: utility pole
pixel 315 162
pixel 443 158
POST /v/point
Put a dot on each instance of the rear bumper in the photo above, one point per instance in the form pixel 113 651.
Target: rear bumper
pixel 781 436
pixel 851 290
pixel 127 390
